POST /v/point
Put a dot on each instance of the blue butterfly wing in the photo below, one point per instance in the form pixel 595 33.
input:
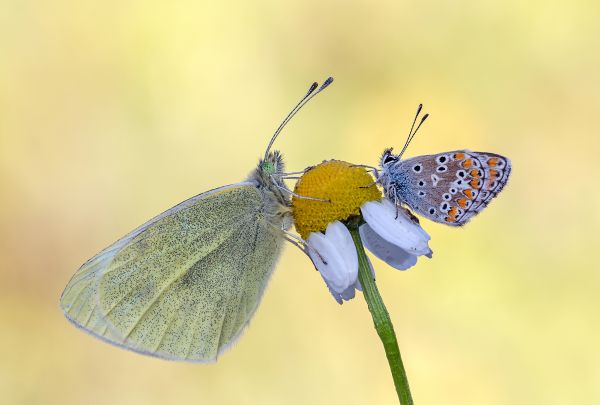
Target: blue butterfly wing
pixel 450 187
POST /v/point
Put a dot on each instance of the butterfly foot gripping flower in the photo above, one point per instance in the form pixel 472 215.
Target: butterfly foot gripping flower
pixel 342 193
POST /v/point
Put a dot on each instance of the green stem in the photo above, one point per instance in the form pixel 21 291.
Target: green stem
pixel 381 319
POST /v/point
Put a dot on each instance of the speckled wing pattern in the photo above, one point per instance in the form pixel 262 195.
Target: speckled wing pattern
pixel 451 187
pixel 184 285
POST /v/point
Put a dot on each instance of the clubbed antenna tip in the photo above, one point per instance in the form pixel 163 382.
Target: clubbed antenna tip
pixel 307 97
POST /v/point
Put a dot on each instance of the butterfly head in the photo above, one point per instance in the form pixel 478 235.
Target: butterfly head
pixel 272 165
pixel 388 158
pixel 268 177
pixel 269 171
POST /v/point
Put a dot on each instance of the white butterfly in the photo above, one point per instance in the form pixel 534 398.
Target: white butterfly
pixel 184 285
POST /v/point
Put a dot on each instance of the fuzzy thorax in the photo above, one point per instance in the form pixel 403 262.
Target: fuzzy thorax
pixel 345 187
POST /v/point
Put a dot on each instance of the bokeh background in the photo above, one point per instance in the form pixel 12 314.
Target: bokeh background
pixel 113 111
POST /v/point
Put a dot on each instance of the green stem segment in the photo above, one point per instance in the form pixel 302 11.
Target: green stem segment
pixel 381 319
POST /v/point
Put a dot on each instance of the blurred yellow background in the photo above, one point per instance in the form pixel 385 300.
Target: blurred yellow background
pixel 113 111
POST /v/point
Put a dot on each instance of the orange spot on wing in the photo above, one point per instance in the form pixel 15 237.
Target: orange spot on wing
pixel 493 173
pixel 475 173
pixel 459 156
pixel 450 219
pixel 474 183
pixel 469 193
pixel 453 211
pixel 468 163
pixel 492 162
pixel 462 202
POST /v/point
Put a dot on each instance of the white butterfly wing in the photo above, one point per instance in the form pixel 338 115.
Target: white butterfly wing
pixel 184 285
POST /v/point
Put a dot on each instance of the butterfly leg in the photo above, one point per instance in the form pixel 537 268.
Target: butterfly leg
pixel 285 189
pixel 378 180
pixel 373 168
pixel 299 172
pixel 397 205
pixel 370 185
pixel 373 171
pixel 302 245
pixel 410 215
pixel 408 212
pixel 308 198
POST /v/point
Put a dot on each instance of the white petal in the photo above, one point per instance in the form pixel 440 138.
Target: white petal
pixel 336 296
pixel 328 261
pixel 334 256
pixel 348 293
pixel 391 254
pixel 340 236
pixel 400 231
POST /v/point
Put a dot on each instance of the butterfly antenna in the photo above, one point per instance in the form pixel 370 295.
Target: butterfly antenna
pixel 411 133
pixel 313 90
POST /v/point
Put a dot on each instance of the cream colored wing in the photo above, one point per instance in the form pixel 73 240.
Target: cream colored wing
pixel 184 285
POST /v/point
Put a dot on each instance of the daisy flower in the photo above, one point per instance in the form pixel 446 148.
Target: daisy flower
pixel 342 193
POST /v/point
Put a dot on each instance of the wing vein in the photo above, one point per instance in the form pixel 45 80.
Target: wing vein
pixel 152 304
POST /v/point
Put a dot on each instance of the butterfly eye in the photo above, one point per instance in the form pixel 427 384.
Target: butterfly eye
pixel 389 159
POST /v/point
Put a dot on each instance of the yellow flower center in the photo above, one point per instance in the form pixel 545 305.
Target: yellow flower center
pixel 347 188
